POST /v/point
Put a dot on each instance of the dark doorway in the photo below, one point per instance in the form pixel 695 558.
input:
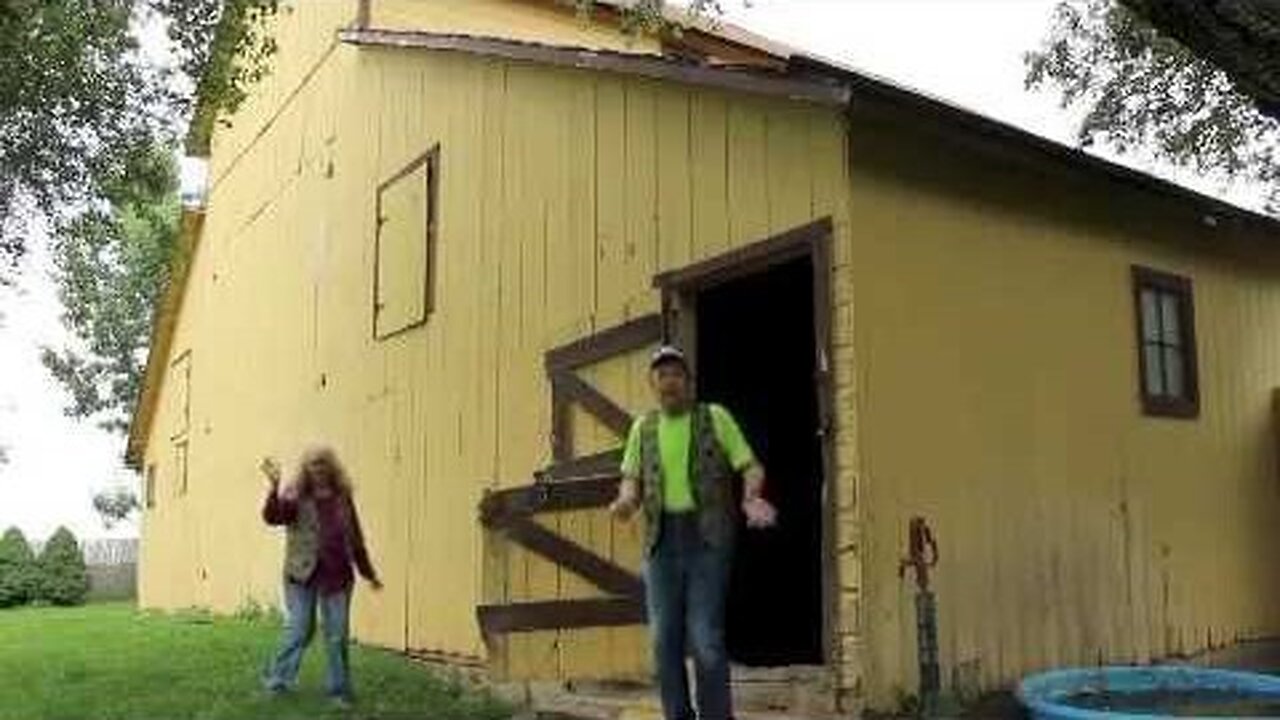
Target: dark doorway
pixel 755 352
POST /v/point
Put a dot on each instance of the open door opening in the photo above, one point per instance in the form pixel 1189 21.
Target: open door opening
pixel 755 354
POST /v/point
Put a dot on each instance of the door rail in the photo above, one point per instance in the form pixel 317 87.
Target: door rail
pixel 572 483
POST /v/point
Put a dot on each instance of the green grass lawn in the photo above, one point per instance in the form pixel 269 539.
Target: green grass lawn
pixel 111 662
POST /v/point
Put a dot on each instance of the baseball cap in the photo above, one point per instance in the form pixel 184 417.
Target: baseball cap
pixel 668 354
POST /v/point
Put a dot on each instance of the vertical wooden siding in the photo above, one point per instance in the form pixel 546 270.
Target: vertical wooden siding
pixel 562 194
pixel 998 395
pixel 549 22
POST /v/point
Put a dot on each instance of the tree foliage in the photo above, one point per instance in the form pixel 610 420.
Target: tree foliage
pixel 17 570
pixel 1242 37
pixel 115 505
pixel 79 101
pixel 75 97
pixel 110 264
pixel 1141 90
pixel 223 47
pixel 655 17
pixel 63 577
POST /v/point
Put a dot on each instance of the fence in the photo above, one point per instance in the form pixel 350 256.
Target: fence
pixel 113 568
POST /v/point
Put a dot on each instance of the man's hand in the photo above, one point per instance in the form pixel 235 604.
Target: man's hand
pixel 760 513
pixel 627 502
pixel 271 470
pixel 624 508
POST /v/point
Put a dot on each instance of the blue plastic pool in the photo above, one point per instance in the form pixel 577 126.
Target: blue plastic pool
pixel 1143 693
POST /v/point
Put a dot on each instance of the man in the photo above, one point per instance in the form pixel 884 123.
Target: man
pixel 679 466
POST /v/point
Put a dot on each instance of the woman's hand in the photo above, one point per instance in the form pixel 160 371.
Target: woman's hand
pixel 271 470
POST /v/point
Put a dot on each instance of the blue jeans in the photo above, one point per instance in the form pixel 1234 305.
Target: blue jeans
pixel 300 603
pixel 686 584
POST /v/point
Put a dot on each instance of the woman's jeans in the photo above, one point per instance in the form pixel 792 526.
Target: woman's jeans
pixel 686 583
pixel 301 602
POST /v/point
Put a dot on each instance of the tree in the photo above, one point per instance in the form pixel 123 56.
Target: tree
pixel 1240 36
pixel 655 16
pixel 223 48
pixel 115 505
pixel 110 264
pixel 78 101
pixel 75 96
pixel 17 570
pixel 63 578
pixel 1143 90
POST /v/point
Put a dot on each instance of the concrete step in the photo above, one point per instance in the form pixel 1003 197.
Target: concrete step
pixel 801 691
pixel 797 693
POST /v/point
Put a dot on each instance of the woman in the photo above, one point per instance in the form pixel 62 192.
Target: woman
pixel 323 540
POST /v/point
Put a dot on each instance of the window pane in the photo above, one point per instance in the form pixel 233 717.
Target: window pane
pixel 1150 315
pixel 1165 318
pixel 1174 373
pixel 1154 359
pixel 1171 318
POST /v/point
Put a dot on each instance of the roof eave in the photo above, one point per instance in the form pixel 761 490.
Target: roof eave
pixel 750 80
pixel 163 326
pixel 864 87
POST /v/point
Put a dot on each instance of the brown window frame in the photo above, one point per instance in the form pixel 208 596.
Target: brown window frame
pixel 431 160
pixel 180 370
pixel 1186 406
pixel 182 463
pixel 149 487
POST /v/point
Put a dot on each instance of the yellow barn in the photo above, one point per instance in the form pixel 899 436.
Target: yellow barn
pixel 443 234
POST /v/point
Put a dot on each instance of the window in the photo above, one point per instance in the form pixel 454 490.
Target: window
pixel 177 391
pixel 404 271
pixel 1166 344
pixel 179 394
pixel 149 487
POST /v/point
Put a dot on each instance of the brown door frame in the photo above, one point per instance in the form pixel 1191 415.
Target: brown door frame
pixel 678 311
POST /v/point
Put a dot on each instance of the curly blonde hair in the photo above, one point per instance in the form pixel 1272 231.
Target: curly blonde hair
pixel 303 481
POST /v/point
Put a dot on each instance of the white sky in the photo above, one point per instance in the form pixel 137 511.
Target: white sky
pixel 56 463
pixel 966 51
